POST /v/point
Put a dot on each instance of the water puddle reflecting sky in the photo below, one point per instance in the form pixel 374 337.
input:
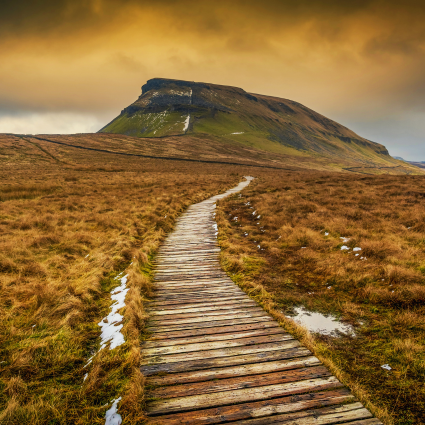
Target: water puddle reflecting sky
pixel 317 322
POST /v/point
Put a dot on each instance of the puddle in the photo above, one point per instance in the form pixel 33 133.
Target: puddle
pixel 317 322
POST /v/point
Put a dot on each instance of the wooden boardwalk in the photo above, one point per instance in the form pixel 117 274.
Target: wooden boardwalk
pixel 215 356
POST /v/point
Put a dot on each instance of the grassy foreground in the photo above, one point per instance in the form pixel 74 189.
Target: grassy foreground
pixel 66 234
pixel 281 242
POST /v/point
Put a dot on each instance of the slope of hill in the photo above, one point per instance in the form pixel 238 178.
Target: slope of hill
pixel 174 107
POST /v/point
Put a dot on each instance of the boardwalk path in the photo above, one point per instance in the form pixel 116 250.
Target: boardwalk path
pixel 215 356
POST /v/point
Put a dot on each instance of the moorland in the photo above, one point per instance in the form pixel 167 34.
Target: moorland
pixel 332 223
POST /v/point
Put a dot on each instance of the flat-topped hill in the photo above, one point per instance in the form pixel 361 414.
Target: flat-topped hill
pixel 175 107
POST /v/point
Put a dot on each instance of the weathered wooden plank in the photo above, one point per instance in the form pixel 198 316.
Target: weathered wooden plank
pixel 203 401
pixel 205 316
pixel 207 321
pixel 212 331
pixel 212 324
pixel 199 292
pixel 232 371
pixel 243 411
pixel 199 301
pixel 186 269
pixel 212 345
pixel 214 337
pixel 240 382
pixel 324 416
pixel 286 342
pixel 176 288
pixel 194 283
pixel 157 307
pixel 195 297
pixel 291 351
pixel 184 275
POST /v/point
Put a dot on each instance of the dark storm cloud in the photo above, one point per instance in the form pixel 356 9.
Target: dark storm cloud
pixel 342 58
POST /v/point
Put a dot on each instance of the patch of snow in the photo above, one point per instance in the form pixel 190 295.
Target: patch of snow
pixel 357 249
pixel 326 233
pixel 255 212
pixel 235 219
pixel 85 377
pixel 112 417
pixel 259 216
pixel 111 332
pixel 186 123
pixel 386 366
pixel 86 256
pixel 238 132
pixel 344 248
pixel 356 255
pixel 110 325
pixel 303 247
pixel 317 322
pixel 258 246
pixel 345 240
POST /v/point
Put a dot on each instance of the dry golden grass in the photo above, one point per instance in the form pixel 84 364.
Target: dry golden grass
pixel 65 235
pixel 72 220
pixel 383 297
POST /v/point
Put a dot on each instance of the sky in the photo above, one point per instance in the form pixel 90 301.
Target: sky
pixel 71 66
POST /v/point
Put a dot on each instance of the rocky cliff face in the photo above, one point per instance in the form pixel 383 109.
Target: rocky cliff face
pixel 175 107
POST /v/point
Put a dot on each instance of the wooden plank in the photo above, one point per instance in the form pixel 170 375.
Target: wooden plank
pixel 239 412
pixel 186 269
pixel 201 301
pixel 232 371
pixel 194 324
pixel 213 345
pixel 212 324
pixel 193 284
pixel 175 285
pixel 236 383
pixel 214 337
pixel 212 331
pixel 203 401
pixel 205 307
pixel 205 316
pixel 324 416
pixel 198 292
pixel 219 302
pixel 264 356
pixel 286 342
pixel 184 275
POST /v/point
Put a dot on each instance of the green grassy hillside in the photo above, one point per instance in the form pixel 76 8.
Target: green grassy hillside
pixel 229 114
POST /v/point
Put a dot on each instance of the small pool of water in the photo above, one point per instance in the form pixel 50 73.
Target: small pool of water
pixel 317 322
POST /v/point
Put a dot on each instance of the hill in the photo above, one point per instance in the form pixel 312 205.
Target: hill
pixel 231 115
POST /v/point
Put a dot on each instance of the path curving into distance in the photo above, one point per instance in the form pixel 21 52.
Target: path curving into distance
pixel 215 356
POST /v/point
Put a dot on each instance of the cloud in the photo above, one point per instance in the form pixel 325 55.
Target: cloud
pixel 49 123
pixel 344 59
